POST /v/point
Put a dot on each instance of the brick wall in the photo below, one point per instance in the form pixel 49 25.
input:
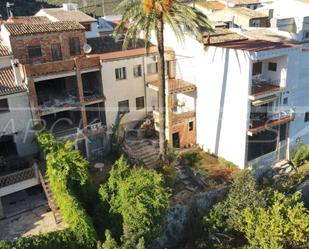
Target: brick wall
pixel 186 136
pixel 20 45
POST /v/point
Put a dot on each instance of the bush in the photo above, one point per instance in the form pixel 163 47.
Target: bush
pixel 300 155
pixel 139 196
pixel 193 158
pixel 64 239
pixel 284 224
pixel 67 170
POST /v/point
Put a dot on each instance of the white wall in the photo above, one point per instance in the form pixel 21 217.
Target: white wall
pixel 17 121
pixel 119 90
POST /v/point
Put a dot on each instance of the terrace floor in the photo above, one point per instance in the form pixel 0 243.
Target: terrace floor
pixel 263 88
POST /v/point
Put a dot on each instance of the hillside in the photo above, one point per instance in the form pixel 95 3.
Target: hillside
pixel 30 7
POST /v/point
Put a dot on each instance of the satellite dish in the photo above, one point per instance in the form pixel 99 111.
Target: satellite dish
pixel 87 48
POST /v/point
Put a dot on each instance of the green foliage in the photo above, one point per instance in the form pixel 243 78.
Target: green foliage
pixel 243 193
pixel 284 224
pixel 67 170
pixel 110 242
pixel 227 163
pixel 289 185
pixel 138 195
pixel 300 155
pixel 64 239
pixel 193 158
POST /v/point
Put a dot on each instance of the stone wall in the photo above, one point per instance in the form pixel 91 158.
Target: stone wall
pixel 179 216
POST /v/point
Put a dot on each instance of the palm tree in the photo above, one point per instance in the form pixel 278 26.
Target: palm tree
pixel 143 17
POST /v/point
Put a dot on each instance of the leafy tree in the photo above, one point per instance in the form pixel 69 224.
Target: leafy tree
pixel 284 224
pixel 243 193
pixel 144 16
pixel 138 195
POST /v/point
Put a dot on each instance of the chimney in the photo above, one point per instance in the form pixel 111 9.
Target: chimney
pixel 16 71
pixel 69 6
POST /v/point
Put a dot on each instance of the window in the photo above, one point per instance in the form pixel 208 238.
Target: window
pixel 257 68
pixel 56 51
pixel 120 73
pixel 191 126
pixel 74 46
pixel 140 103
pixel 123 106
pixel 152 68
pixel 285 100
pixel 272 66
pixel 306 116
pixel 4 106
pixel 34 51
pixel 137 71
pixel 306 35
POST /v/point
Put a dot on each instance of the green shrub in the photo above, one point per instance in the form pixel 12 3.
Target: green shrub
pixel 300 155
pixel 64 239
pixel 67 171
pixel 227 163
pixel 193 158
pixel 139 196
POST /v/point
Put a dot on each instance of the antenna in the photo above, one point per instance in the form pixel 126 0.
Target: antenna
pixel 8 9
pixel 87 48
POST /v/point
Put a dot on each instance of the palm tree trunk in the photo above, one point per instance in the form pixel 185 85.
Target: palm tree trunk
pixel 162 85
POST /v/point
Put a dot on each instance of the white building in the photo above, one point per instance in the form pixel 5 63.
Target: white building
pixel 250 95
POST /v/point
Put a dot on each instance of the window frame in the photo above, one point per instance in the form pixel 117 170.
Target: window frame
pixel 75 49
pixel 260 63
pixel 272 66
pixel 191 126
pixel 54 56
pixel 122 75
pixel 127 102
pixel 138 101
pixel 6 108
pixel 137 71
pixel 32 54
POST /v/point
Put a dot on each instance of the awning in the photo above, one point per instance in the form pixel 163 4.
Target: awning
pixel 265 100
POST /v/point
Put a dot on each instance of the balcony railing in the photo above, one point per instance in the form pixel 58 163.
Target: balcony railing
pixel 266 121
pixel 261 86
pixel 17 177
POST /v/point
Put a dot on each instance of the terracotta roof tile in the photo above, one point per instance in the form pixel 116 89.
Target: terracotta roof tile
pixel 28 19
pixel 4 50
pixel 35 28
pixel 7 82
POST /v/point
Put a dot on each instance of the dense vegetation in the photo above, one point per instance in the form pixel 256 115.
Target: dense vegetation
pixel 138 198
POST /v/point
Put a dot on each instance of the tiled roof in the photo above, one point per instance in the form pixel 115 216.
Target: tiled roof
pixel 222 35
pixel 34 28
pixel 28 19
pixel 63 15
pixel 254 45
pixel 7 82
pixel 4 50
pixel 243 1
pixel 248 12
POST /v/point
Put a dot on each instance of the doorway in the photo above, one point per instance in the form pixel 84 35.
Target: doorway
pixel 176 140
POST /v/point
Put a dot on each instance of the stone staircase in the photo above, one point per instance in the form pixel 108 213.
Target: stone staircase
pixel 141 151
pixel 51 202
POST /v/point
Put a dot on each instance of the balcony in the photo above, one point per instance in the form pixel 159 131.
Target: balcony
pixel 265 121
pixel 92 87
pixel 262 87
pixel 42 69
pixel 18 180
pixel 174 86
pixel 57 95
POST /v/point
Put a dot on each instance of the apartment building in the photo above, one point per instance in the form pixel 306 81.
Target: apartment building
pixel 130 82
pixel 250 106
